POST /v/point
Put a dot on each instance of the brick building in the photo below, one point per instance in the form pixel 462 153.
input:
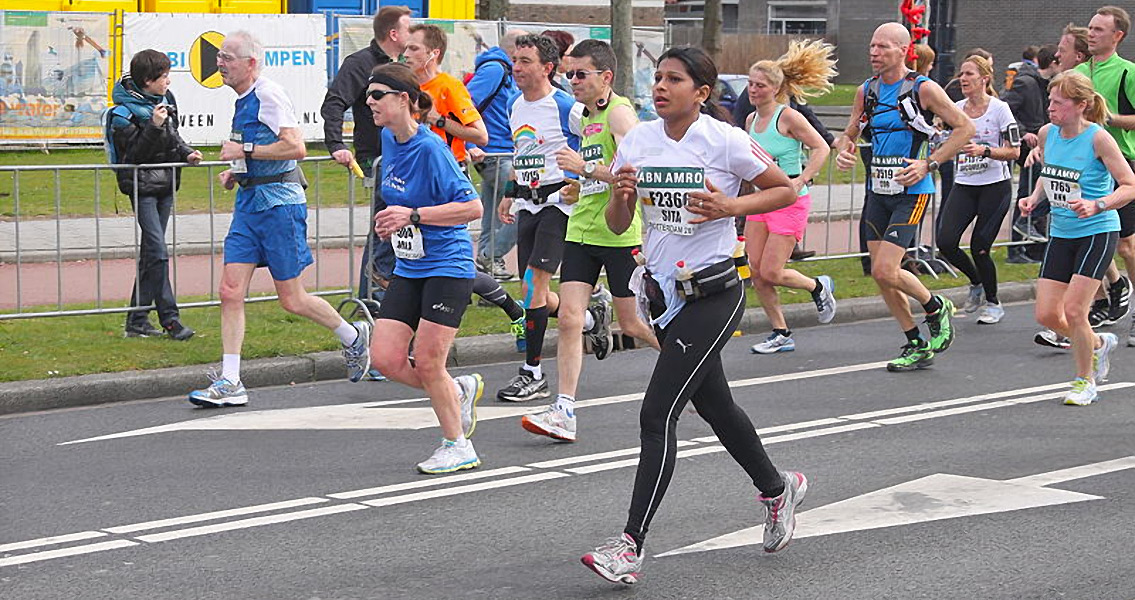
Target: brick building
pixel 1004 27
pixel 647 13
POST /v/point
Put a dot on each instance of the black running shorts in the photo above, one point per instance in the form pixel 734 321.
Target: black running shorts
pixel 540 239
pixel 894 218
pixel 440 300
pixel 582 262
pixel 1088 256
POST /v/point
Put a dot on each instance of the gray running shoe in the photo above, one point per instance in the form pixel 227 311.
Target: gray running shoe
pixel 617 560
pixel 991 314
pixel 472 387
pixel 450 457
pixel 599 336
pixel 826 304
pixel 774 343
pixel 1101 357
pixel 221 392
pixel 524 387
pixel 357 354
pixel 499 271
pixel 975 300
pixel 554 422
pixel 1048 337
pixel 142 329
pixel 780 512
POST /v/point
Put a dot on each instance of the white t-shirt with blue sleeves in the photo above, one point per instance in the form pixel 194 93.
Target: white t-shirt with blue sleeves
pixel 540 129
pixel 419 173
pixel 261 113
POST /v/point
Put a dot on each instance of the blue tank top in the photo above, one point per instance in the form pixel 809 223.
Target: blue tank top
pixel 1072 170
pixel 891 139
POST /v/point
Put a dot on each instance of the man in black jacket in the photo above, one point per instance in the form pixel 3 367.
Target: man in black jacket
pixel 143 129
pixel 348 89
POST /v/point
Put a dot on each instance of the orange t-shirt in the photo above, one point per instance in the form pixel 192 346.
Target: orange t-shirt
pixel 452 101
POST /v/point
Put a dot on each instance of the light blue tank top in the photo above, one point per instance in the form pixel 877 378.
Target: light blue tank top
pixel 788 152
pixel 1072 170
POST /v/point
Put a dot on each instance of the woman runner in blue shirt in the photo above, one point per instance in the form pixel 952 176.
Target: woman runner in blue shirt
pixel 429 201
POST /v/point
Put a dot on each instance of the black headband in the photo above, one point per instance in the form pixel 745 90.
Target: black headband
pixel 394 84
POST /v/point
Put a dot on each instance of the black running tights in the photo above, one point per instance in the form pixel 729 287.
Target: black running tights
pixel 988 204
pixel 689 368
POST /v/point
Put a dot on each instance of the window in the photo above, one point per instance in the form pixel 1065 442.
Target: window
pixel 798 17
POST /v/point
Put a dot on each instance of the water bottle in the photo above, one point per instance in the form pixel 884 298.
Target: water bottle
pixel 685 280
pixel 740 259
pixel 639 257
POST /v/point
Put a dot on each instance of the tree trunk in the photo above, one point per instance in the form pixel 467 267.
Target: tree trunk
pixel 622 42
pixel 711 29
pixel 492 10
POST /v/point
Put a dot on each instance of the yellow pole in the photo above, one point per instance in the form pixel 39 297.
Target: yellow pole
pixel 114 67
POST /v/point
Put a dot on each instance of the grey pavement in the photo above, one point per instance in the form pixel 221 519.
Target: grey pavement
pixel 965 480
pixel 86 390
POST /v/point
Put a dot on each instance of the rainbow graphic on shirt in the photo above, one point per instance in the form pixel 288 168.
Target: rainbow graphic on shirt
pixel 524 132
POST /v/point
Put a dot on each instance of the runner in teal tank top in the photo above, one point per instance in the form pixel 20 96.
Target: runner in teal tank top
pixel 590 245
pixel 1086 178
pixel 783 133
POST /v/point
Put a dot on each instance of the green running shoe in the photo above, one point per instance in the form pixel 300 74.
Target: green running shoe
pixel 914 356
pixel 941 331
pixel 519 333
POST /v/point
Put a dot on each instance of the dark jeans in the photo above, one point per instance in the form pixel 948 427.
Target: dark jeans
pixel 152 285
pixel 378 256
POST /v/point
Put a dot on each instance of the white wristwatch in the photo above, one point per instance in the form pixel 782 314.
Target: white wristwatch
pixel 589 169
pixel 1101 204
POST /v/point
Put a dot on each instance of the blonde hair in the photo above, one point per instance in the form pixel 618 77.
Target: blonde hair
pixel 806 70
pixel 1077 87
pixel 923 58
pixel 985 69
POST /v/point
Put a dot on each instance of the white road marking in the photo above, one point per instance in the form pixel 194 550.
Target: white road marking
pixel 933 498
pixel 246 523
pixel 48 541
pixel 22 559
pixel 368 416
pixel 923 410
pixel 212 516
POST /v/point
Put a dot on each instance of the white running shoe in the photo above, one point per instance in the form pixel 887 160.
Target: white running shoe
pixel 774 343
pixel 826 304
pixel 450 457
pixel 991 313
pixel 1083 393
pixel 554 421
pixel 1101 357
pixel 617 560
pixel 472 387
pixel 221 392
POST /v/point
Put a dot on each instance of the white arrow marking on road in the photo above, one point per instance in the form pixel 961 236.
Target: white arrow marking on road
pixel 370 416
pixel 932 498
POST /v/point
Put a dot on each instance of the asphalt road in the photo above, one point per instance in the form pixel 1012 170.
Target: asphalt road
pixel 966 480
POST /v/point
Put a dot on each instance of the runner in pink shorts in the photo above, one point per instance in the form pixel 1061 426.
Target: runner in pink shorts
pixel 807 67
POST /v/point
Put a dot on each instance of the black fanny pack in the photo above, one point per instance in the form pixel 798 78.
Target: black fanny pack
pixel 293 176
pixel 707 282
pixel 537 195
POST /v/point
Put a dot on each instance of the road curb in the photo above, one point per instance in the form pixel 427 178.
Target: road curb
pixel 87 390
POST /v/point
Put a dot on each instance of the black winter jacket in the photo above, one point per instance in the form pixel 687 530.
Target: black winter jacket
pixel 138 141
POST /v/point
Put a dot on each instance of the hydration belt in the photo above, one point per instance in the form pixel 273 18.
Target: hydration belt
pixel 292 176
pixel 537 195
pixel 707 282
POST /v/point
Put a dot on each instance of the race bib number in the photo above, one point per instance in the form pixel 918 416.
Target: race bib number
pixel 529 169
pixel 408 243
pixel 664 192
pixel 1062 186
pixel 883 171
pixel 973 165
pixel 592 155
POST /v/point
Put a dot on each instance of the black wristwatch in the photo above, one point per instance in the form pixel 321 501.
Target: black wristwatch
pixel 248 148
pixel 988 152
pixel 440 122
pixel 415 216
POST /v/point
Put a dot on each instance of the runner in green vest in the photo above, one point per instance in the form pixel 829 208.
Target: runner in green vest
pixel 590 245
pixel 1114 78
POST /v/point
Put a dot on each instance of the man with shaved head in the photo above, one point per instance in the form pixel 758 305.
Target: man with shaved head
pixel 896 106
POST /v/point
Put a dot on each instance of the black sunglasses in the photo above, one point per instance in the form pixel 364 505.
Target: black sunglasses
pixel 378 95
pixel 580 74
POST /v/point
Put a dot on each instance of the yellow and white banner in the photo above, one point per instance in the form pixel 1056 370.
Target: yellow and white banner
pixel 53 75
pixel 294 56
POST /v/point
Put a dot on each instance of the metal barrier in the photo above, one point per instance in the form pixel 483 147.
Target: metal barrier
pixel 842 204
pixel 81 239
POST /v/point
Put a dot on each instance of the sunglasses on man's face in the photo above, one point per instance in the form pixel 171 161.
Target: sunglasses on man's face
pixel 378 95
pixel 579 74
